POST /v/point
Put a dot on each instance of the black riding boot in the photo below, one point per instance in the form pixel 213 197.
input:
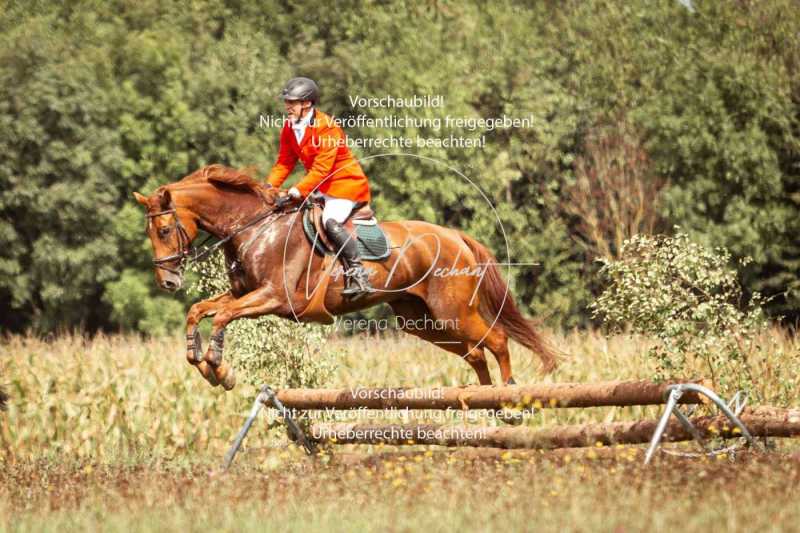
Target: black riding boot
pixel 357 277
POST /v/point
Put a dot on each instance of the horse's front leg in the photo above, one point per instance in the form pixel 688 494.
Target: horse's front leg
pixel 194 348
pixel 254 304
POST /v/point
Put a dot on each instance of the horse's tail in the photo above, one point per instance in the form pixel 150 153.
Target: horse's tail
pixel 496 305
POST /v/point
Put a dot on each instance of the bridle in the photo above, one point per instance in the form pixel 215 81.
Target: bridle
pixel 186 253
pixel 184 244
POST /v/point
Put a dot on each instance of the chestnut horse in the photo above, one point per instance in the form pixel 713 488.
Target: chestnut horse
pixel 435 277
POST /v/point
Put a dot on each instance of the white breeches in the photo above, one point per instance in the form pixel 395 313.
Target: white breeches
pixel 337 209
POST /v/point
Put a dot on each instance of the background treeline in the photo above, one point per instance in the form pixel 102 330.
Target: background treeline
pixel 649 115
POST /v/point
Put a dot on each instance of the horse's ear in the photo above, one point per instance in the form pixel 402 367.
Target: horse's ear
pixel 164 199
pixel 142 199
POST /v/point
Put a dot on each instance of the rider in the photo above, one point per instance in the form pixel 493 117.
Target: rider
pixel 312 137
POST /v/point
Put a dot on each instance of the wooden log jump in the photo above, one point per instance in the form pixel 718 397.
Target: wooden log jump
pixel 610 393
pixel 761 422
pixel 753 422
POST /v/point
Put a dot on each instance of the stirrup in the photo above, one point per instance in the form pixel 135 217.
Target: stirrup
pixel 357 284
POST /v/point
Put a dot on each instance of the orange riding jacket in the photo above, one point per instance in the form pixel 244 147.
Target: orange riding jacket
pixel 330 167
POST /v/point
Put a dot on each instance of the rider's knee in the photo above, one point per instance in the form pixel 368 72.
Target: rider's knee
pixel 337 209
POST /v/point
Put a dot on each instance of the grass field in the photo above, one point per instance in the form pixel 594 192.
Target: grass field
pixel 119 433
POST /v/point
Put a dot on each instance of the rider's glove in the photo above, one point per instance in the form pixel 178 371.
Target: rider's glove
pixel 283 201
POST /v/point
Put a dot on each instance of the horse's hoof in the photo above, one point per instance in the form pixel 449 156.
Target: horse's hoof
pixel 208 373
pixel 228 381
pixel 211 358
pixel 511 381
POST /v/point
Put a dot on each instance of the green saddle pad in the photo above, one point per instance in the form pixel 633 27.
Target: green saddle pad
pixel 372 242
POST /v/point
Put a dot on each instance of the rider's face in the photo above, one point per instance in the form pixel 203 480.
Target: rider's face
pixel 296 109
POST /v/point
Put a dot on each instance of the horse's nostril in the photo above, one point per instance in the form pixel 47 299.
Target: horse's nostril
pixel 170 285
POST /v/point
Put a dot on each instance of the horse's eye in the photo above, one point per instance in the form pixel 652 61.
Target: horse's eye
pixel 163 232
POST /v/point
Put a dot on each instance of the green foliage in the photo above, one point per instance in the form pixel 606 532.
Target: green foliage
pixel 98 99
pixel 715 93
pixel 688 298
pixel 133 308
pixel 268 349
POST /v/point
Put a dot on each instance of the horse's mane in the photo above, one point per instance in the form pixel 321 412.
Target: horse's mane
pixel 222 175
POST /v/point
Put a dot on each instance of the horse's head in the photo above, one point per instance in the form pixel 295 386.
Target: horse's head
pixel 222 198
pixel 170 235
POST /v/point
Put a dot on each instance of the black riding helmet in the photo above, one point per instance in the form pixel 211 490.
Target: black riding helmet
pixel 300 89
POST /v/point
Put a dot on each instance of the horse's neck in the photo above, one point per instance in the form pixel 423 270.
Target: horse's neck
pixel 217 211
pixel 273 249
pixel 270 236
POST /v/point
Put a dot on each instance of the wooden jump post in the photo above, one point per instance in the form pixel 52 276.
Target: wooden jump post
pixel 609 393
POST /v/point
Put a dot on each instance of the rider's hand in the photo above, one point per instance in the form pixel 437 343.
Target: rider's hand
pixel 288 198
pixel 283 201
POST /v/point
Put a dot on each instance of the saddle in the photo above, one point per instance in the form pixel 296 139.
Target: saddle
pixel 373 245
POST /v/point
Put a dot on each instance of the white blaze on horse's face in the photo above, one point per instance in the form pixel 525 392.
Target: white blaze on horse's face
pixel 163 229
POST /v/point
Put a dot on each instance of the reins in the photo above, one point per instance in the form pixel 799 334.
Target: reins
pixel 187 254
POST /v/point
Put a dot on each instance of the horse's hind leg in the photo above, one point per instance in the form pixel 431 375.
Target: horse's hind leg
pixel 476 358
pixel 469 352
pixel 497 342
pixel 470 327
pixel 411 310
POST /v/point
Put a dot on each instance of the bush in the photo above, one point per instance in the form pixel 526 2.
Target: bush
pixel 688 298
pixel 268 349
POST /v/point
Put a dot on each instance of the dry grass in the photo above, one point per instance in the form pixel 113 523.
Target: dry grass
pixel 119 433
pixel 410 493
